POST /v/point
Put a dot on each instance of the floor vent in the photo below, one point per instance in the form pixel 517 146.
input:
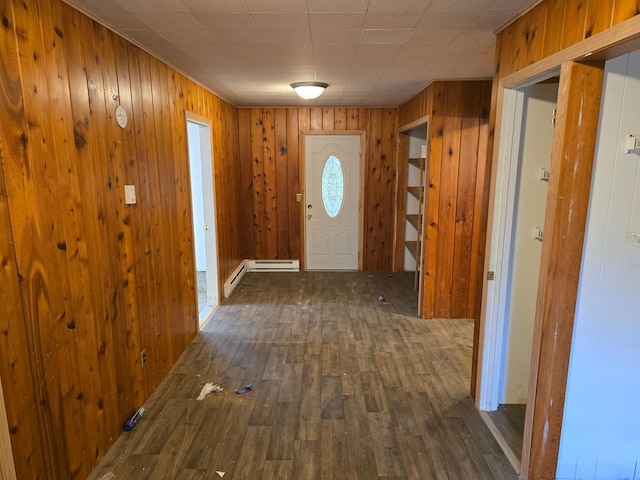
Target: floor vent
pixel 274 265
pixel 235 278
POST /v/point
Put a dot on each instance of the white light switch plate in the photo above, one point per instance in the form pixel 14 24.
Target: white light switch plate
pixel 130 194
pixel 634 239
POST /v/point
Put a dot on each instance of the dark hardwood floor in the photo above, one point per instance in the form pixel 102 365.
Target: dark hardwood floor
pixel 345 386
pixel 509 421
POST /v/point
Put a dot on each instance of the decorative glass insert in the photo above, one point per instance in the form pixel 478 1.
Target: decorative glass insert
pixel 332 186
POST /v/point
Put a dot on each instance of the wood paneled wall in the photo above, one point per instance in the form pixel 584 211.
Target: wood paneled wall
pixel 87 282
pixel 271 148
pixel 545 34
pixel 455 208
pixel 554 25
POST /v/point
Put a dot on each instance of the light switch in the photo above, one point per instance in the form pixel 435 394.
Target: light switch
pixel 130 194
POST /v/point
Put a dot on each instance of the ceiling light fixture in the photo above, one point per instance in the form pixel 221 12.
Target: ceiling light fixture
pixel 309 90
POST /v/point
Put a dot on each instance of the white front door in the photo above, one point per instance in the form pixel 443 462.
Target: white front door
pixel 332 189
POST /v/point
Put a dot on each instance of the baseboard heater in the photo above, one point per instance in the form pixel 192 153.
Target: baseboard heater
pixel 234 278
pixel 273 265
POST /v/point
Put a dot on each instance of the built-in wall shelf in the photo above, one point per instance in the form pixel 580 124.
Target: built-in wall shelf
pixel 415 188
pixel 416 191
pixel 414 247
pixel 414 219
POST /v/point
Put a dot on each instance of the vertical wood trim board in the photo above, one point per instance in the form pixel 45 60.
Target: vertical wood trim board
pixel 87 281
pixel 566 213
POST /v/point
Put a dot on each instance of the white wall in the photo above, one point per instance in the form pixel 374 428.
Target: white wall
pixel 601 427
pixel 530 203
pixel 196 195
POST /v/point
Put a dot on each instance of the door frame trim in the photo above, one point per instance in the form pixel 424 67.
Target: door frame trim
pixel 302 160
pixel 205 122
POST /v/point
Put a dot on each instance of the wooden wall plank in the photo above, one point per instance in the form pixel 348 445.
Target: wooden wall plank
pixel 599 16
pixel 270 183
pixel 575 15
pixel 246 166
pixel 554 26
pixel 432 204
pixel 450 165
pixel 293 169
pixel 257 159
pixel 353 121
pixel 316 122
pixel 145 231
pixel 340 119
pixel 624 10
pixel 27 424
pixel 466 191
pixel 283 195
pixel 328 118
pixel 565 222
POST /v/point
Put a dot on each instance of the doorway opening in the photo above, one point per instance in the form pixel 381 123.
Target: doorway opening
pixel 203 208
pixel 519 212
pixel 413 150
pixel 332 214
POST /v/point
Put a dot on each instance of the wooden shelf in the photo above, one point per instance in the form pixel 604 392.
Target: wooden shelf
pixel 415 191
pixel 414 219
pixel 417 162
pixel 414 248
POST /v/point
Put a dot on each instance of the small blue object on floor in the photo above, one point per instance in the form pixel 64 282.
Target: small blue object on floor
pixel 245 389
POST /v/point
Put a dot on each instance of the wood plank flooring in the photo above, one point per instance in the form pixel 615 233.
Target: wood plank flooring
pixel 345 386
pixel 509 421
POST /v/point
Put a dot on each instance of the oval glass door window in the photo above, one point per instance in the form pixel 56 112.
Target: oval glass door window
pixel 332 186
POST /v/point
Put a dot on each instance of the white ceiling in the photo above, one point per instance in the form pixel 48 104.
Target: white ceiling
pixel 370 52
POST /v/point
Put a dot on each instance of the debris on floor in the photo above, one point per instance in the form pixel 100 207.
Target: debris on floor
pixel 245 389
pixel 207 388
pixel 220 474
pixel 133 420
pixel 381 297
pixel 108 476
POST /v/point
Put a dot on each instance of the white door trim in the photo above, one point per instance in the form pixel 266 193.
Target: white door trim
pixel 303 176
pixel 214 283
pixel 499 244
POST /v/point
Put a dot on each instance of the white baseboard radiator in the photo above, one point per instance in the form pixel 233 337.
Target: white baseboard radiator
pixel 234 279
pixel 273 265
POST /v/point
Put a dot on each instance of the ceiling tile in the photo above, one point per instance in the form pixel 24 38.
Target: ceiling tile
pixel 150 6
pixel 269 6
pixel 216 6
pixel 400 20
pixel 381 37
pixel 398 5
pixel 336 21
pixel 177 21
pixel 338 6
pixel 447 20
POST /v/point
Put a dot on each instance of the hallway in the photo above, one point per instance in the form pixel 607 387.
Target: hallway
pixel 344 386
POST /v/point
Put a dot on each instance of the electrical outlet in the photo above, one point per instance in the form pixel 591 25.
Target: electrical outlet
pixel 143 357
pixel 634 239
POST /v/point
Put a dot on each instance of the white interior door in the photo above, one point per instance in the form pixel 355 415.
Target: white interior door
pixel 332 189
